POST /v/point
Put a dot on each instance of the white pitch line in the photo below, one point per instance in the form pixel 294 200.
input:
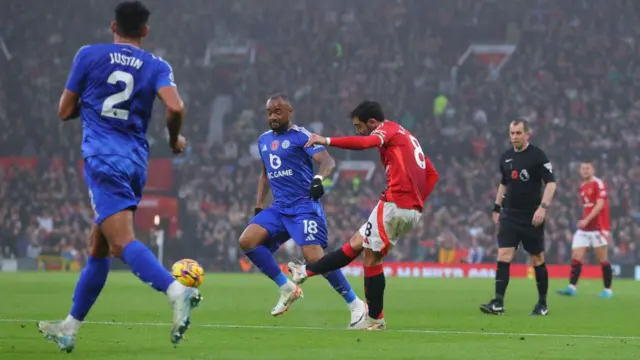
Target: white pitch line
pixel 413 331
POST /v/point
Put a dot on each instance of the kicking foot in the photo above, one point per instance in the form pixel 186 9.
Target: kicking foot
pixel 182 307
pixel 298 272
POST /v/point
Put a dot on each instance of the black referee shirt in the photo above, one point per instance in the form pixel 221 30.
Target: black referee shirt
pixel 524 173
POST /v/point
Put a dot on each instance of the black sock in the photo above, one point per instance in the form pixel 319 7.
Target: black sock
pixel 576 269
pixel 542 281
pixel 374 283
pixel 334 260
pixel 607 274
pixel 502 280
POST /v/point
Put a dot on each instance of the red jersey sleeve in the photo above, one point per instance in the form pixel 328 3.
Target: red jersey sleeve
pixel 386 131
pixel 601 190
pixel 355 142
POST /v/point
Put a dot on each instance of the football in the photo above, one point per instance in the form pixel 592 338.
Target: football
pixel 188 272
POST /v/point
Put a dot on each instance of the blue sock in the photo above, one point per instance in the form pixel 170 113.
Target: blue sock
pixel 145 266
pixel 341 285
pixel 264 260
pixel 90 284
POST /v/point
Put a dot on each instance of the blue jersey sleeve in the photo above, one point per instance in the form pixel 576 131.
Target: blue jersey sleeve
pixel 165 75
pixel 75 82
pixel 303 138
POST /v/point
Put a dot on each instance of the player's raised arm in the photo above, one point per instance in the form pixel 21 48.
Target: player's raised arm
pixel 69 105
pixel 263 190
pixel 168 93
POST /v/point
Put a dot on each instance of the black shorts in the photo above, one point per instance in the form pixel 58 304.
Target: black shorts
pixel 516 229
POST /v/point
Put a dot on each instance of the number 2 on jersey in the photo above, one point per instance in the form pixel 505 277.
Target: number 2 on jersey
pixel 108 106
pixel 418 154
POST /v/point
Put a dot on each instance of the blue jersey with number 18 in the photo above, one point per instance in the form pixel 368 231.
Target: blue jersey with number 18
pixel 117 84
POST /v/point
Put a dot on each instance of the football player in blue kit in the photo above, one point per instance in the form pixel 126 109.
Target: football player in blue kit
pixel 296 211
pixel 112 87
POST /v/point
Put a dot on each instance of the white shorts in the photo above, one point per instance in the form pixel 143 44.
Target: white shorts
pixel 593 239
pixel 386 224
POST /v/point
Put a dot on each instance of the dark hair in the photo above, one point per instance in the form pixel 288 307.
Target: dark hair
pixel 367 110
pixel 524 122
pixel 131 18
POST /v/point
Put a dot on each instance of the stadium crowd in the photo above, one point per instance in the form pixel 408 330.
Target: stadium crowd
pixel 575 76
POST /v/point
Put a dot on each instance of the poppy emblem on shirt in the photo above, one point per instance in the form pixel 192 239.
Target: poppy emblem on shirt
pixel 274 145
pixel 514 174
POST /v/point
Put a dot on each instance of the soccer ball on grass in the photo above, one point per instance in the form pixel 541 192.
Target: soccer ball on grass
pixel 188 272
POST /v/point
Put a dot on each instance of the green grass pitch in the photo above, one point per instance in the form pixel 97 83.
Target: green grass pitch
pixel 427 319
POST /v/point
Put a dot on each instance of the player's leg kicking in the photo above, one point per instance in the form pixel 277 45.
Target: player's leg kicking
pixel 258 241
pixel 374 239
pixel 114 201
pixel 310 233
pixel 582 240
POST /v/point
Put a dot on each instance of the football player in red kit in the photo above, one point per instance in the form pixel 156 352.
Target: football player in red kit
pixel 594 230
pixel 410 179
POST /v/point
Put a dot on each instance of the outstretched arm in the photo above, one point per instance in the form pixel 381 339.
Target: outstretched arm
pixel 347 142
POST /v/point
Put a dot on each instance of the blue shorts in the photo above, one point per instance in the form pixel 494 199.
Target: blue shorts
pixel 305 229
pixel 115 184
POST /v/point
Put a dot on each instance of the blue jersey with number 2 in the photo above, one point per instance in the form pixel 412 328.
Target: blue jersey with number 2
pixel 117 85
pixel 289 170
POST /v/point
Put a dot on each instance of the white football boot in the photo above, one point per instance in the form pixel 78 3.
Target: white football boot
pixel 289 293
pixel 359 314
pixel 376 324
pixel 298 272
pixel 183 300
pixel 58 332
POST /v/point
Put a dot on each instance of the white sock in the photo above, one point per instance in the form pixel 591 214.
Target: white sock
pixel 288 286
pixel 175 291
pixel 572 286
pixel 71 324
pixel 355 304
pixel 608 290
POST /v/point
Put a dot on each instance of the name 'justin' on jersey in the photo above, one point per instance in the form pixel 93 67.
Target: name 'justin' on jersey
pixel 288 164
pixel 118 84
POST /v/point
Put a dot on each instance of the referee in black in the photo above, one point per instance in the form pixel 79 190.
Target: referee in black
pixel 519 211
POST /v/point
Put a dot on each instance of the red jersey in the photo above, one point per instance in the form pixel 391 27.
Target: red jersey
pixel 410 174
pixel 590 192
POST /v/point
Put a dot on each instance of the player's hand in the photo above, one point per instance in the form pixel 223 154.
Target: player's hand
pixel 257 211
pixel 582 224
pixel 317 189
pixel 180 145
pixel 538 217
pixel 316 139
pixel 496 217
